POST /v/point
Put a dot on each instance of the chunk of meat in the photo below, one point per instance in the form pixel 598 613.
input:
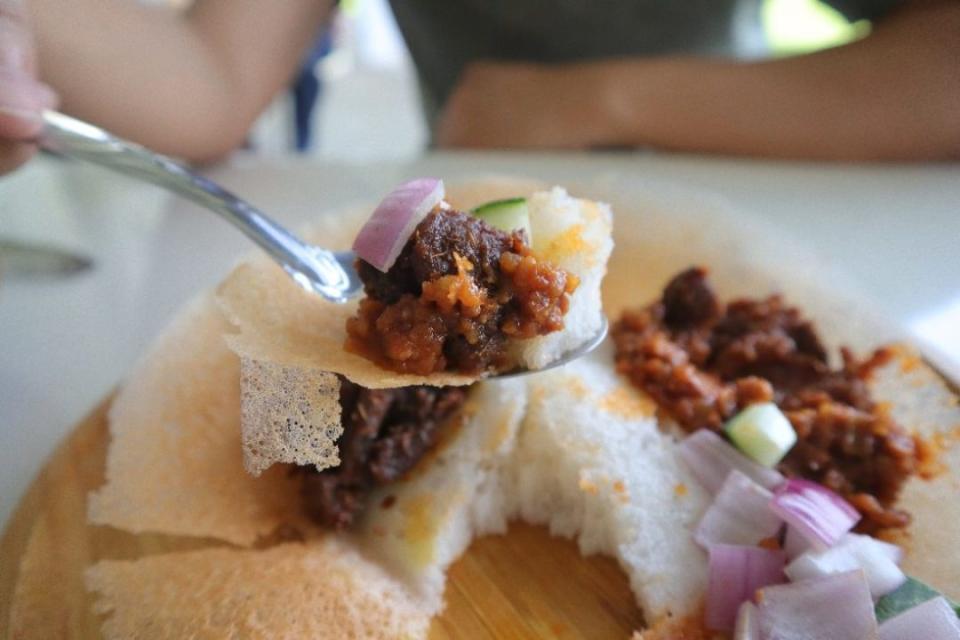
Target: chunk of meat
pixel 385 433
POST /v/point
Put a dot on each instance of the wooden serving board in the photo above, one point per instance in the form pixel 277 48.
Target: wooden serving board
pixel 525 584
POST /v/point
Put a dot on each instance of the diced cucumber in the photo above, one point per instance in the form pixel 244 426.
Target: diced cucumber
pixel 507 215
pixel 762 432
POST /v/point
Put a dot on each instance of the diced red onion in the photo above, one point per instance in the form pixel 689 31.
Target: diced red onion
pixel 740 514
pixel 736 572
pixel 748 622
pixel 711 458
pixel 815 512
pixel 852 552
pixel 877 561
pixel 818 564
pixel 892 551
pixel 794 544
pixel 931 620
pixel 837 607
pixel 384 235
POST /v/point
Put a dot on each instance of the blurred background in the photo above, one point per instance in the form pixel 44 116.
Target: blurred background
pixel 364 59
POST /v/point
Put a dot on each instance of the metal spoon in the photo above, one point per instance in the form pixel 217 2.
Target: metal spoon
pixel 330 274
pixel 327 273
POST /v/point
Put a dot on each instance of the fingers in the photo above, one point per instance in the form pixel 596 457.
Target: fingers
pixel 22 97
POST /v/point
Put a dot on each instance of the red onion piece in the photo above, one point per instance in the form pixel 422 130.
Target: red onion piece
pixel 748 622
pixel 892 551
pixel 877 560
pixel 931 620
pixel 736 572
pixel 814 512
pixel 794 544
pixel 740 514
pixel 384 235
pixel 837 607
pixel 853 551
pixel 711 458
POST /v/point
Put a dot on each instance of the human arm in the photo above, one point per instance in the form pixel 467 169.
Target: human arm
pixel 892 95
pixel 186 84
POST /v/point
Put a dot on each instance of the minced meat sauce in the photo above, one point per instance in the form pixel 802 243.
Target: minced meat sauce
pixel 385 433
pixel 703 362
pixel 457 293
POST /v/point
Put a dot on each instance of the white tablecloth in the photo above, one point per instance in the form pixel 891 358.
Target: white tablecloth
pixel 66 343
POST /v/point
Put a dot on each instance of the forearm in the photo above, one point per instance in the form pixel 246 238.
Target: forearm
pixel 893 95
pixel 185 84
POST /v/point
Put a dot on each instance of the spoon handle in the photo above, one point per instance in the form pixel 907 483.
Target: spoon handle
pixel 313 268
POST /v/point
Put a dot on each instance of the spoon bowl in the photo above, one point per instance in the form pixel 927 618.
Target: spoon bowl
pixel 569 356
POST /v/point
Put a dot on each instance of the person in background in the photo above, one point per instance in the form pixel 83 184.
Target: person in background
pixel 566 74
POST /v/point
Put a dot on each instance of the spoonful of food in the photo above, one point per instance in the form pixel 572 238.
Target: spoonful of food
pixel 330 274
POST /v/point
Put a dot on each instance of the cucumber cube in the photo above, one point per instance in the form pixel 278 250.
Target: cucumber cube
pixel 762 432
pixel 507 215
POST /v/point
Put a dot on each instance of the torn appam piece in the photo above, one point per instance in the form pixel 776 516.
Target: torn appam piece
pixel 919 400
pixel 575 235
pixel 288 414
pixel 276 321
pixel 592 463
pixel 324 589
pixel 175 462
pixel 419 525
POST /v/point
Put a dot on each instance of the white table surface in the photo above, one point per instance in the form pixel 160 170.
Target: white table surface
pixel 64 344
